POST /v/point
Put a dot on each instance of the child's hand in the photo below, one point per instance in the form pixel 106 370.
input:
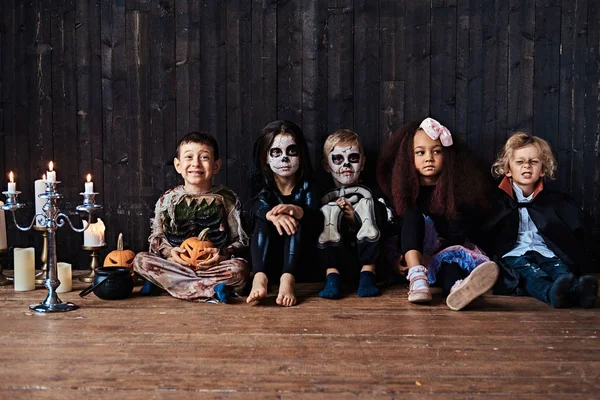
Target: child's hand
pixel 347 208
pixel 289 209
pixel 401 266
pixel 175 252
pixel 215 259
pixel 284 223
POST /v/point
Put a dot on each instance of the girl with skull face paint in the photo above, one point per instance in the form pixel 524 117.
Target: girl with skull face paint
pixel 283 211
pixel 350 217
pixel 436 193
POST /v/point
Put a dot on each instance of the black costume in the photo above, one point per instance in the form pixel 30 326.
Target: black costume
pixel 557 217
pixel 268 248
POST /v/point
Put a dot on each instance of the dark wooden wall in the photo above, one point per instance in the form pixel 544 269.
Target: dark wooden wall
pixel 108 87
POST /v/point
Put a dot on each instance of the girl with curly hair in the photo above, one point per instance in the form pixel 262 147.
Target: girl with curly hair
pixel 435 192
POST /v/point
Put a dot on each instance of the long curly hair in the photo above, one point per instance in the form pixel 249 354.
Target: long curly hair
pixel 262 175
pixel 461 184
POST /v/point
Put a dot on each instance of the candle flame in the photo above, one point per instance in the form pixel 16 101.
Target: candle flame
pixel 43 177
pixel 89 177
pixel 51 166
pixel 12 177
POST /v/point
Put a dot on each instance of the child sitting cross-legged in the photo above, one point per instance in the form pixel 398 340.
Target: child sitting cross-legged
pixel 537 232
pixel 183 212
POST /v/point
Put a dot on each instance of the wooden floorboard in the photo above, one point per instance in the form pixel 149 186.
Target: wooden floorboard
pixel 384 347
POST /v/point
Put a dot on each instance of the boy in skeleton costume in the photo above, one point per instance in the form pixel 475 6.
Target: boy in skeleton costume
pixel 349 212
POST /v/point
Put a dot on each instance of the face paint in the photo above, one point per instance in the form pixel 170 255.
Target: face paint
pixel 283 156
pixel 345 164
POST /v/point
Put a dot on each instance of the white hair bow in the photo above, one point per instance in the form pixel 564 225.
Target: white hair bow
pixel 435 130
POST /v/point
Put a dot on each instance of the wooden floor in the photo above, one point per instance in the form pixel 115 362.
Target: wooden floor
pixel 384 347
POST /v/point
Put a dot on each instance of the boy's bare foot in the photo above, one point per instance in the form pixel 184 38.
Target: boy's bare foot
pixel 259 287
pixel 286 296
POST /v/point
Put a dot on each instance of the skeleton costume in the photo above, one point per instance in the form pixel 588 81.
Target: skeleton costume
pixel 180 215
pixel 345 165
pixel 275 254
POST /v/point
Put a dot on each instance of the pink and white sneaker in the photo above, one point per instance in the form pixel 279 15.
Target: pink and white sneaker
pixel 418 291
pixel 479 281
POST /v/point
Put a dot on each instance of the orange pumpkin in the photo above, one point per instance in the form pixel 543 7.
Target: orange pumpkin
pixel 194 248
pixel 119 257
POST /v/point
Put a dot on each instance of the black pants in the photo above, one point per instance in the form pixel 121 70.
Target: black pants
pixel 349 256
pixel 412 236
pixel 274 254
pixel 412 231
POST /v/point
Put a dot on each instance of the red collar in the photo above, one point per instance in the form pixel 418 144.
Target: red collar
pixel 506 187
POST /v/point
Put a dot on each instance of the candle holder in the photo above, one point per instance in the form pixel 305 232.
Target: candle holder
pixel 52 219
pixel 3 280
pixel 40 277
pixel 94 263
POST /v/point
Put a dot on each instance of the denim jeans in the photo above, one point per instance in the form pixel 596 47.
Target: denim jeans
pixel 537 272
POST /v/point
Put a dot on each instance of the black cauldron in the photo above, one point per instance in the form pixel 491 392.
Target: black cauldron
pixel 110 283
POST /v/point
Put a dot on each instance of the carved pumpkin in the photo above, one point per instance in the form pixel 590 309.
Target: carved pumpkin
pixel 195 248
pixel 119 257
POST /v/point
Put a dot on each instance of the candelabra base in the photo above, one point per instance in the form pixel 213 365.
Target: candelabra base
pixel 48 308
pixel 94 263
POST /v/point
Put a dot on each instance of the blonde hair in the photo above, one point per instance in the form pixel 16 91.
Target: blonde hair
pixel 341 137
pixel 517 141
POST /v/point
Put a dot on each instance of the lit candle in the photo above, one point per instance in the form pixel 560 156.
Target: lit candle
pixel 39 187
pixel 89 185
pixel 51 174
pixel 94 235
pixel 3 245
pixel 65 277
pixel 12 185
pixel 24 269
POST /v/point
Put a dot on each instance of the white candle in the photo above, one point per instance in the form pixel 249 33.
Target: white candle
pixel 65 277
pixel 24 269
pixel 12 185
pixel 94 235
pixel 3 245
pixel 51 174
pixel 89 185
pixel 39 187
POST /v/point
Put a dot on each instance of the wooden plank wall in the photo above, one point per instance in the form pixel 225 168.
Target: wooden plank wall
pixel 108 86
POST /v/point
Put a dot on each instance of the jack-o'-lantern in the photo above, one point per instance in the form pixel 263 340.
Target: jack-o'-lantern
pixel 194 248
pixel 119 257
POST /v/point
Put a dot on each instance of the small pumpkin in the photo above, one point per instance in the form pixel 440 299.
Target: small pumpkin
pixel 119 257
pixel 194 248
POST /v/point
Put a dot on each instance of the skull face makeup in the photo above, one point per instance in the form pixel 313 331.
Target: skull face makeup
pixel 283 156
pixel 345 164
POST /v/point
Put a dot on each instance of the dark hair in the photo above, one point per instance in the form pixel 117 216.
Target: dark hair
pixel 460 184
pixel 262 175
pixel 200 138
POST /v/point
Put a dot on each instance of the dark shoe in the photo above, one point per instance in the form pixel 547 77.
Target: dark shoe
pixel 587 291
pixel 559 292
pixel 150 289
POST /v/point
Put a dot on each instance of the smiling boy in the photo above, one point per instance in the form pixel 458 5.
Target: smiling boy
pixel 183 212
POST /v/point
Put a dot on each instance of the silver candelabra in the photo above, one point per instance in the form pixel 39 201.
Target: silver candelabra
pixel 52 219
